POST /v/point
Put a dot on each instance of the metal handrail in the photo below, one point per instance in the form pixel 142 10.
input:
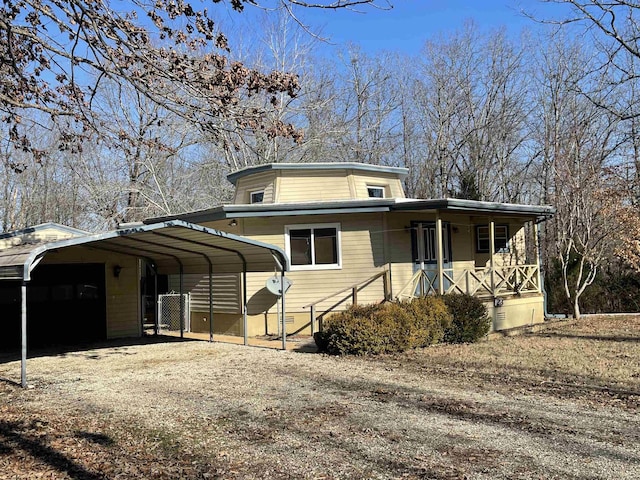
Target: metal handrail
pixel 355 288
pixel 359 286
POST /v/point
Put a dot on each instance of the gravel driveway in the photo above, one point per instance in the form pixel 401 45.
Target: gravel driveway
pixel 238 412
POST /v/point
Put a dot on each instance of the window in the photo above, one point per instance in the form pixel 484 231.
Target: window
pixel 257 196
pixel 375 192
pixel 313 247
pixel 501 238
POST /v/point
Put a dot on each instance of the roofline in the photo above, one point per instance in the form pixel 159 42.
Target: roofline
pixel 457 204
pixel 360 206
pixel 38 252
pixel 233 177
pixel 223 212
pixel 42 226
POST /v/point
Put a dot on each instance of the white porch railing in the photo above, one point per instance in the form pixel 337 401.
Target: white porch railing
pixel 479 281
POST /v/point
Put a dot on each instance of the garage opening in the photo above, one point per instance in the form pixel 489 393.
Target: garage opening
pixel 65 304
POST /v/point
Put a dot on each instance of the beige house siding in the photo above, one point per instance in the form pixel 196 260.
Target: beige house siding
pixel 361 249
pixel 362 253
pixel 307 186
pixel 227 295
pixel 391 183
pixel 122 293
pixel 223 324
pixel 517 312
pixel 255 182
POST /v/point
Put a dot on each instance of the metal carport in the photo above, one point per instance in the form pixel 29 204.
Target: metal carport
pixel 171 246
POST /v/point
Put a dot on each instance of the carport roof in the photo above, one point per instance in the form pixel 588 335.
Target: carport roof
pixel 169 245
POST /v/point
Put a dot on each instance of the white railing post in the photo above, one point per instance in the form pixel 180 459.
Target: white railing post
pixel 492 243
pixel 440 253
pixel 466 282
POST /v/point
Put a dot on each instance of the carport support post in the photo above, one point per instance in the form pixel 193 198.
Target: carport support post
pixel 156 327
pixel 210 302
pixel 282 312
pixel 181 302
pixel 23 356
pixel 244 304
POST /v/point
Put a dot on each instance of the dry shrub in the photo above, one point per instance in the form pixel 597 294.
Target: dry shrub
pixel 431 319
pixel 470 320
pixel 385 328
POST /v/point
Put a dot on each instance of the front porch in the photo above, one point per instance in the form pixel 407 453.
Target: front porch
pixel 497 258
pixel 483 282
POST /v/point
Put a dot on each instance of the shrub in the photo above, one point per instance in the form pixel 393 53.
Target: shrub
pixel 386 328
pixel 470 320
pixel 431 319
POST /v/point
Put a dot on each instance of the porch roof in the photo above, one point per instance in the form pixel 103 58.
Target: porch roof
pixel 539 212
pixel 170 246
pixel 477 207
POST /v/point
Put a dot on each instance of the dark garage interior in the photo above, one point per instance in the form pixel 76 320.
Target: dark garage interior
pixel 65 304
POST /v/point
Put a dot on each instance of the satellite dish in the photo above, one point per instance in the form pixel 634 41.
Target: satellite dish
pixel 277 285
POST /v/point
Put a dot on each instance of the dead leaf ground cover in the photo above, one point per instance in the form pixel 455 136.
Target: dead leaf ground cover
pixel 562 403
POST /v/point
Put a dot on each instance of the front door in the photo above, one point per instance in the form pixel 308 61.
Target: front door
pixel 426 254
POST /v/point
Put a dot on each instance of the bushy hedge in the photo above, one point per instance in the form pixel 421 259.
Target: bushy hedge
pixel 470 320
pixel 385 328
pixel 396 327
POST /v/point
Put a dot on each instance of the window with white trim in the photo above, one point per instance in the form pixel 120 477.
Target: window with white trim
pixel 313 247
pixel 501 239
pixel 257 196
pixel 375 191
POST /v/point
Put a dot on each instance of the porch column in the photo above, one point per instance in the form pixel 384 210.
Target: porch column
pixel 492 243
pixel 421 248
pixel 536 243
pixel 440 254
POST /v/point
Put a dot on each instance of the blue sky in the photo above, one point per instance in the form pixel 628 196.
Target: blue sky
pixel 410 23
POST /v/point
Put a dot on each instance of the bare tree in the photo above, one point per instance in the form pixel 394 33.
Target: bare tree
pixel 57 54
pixel 367 105
pixel 576 144
pixel 38 191
pixel 473 105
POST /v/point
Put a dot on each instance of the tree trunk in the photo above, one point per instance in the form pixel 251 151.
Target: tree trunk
pixel 576 309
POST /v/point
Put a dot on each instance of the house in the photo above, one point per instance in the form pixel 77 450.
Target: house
pixel 353 237
pixel 343 233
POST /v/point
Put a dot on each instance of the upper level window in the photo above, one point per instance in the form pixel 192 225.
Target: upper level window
pixel 375 192
pixel 312 247
pixel 501 240
pixel 257 196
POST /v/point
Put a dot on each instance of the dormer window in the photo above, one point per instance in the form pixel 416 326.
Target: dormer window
pixel 375 191
pixel 257 196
